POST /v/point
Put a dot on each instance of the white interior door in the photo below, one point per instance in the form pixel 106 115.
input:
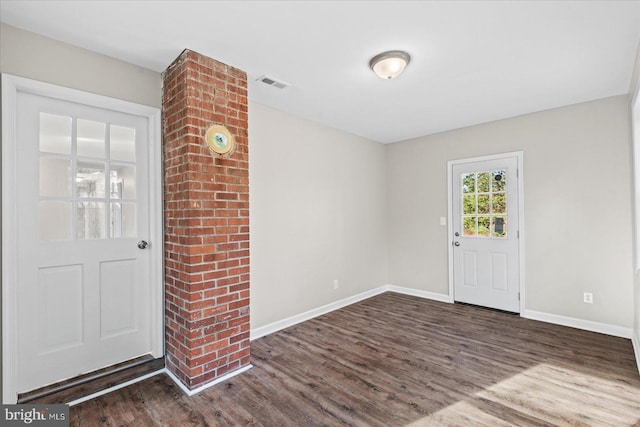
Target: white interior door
pixel 83 288
pixel 485 221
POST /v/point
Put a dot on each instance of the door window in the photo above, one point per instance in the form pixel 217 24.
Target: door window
pixel 87 179
pixel 484 204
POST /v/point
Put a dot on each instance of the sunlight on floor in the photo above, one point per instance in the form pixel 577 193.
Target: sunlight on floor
pixel 547 393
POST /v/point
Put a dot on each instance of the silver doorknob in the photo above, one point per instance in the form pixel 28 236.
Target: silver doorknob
pixel 143 244
pixel 456 243
pixel 456 234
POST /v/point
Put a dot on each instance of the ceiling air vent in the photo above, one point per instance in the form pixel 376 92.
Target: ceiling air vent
pixel 273 82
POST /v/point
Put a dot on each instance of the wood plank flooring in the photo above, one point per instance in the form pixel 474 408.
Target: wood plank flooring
pixel 397 360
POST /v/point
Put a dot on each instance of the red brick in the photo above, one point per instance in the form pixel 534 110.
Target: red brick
pixel 206 220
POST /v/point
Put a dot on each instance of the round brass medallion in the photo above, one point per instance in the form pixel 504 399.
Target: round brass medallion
pixel 219 140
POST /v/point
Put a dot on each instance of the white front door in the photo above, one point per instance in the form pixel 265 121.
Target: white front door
pixel 83 294
pixel 485 233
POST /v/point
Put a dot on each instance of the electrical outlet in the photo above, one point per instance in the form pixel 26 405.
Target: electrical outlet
pixel 443 220
pixel 588 298
pixel 336 284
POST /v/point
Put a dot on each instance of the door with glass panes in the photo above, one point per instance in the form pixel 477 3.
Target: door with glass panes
pixel 485 228
pixel 83 294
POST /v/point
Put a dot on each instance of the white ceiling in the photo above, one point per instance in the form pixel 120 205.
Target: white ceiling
pixel 472 61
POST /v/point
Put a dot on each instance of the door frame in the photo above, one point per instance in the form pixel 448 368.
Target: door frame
pixel 11 87
pixel 519 155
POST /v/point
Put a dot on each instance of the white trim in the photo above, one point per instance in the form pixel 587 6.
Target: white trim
pixel 9 242
pixel 156 228
pixel 587 325
pixel 11 86
pixel 418 293
pixel 206 386
pixel 153 374
pixel 519 155
pixel 636 349
pixel 307 315
pixel 116 387
pixel 521 229
pixel 450 229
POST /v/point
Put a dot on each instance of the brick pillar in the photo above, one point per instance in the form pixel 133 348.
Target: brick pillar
pixel 206 215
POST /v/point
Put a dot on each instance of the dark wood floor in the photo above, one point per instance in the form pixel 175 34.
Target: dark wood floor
pixel 396 360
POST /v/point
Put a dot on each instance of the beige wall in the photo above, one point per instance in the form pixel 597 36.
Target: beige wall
pixel 26 54
pixel 318 213
pixel 577 206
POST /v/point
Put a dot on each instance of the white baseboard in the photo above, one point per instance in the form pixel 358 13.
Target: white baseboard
pixel 587 325
pixel 418 293
pixel 636 348
pixel 307 315
pixel 207 385
pixel 161 371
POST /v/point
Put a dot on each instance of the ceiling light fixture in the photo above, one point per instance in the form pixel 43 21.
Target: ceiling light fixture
pixel 390 64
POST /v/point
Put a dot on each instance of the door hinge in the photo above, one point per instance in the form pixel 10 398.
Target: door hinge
pixel 518 296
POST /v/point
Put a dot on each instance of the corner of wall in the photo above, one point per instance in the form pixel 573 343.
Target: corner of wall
pixel 634 92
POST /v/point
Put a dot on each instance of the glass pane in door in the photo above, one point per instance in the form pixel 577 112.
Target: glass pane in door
pixel 55 133
pixel 123 143
pixel 55 177
pixel 123 182
pixel 484 204
pixel 91 137
pixel 90 220
pixel 123 220
pixel 90 181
